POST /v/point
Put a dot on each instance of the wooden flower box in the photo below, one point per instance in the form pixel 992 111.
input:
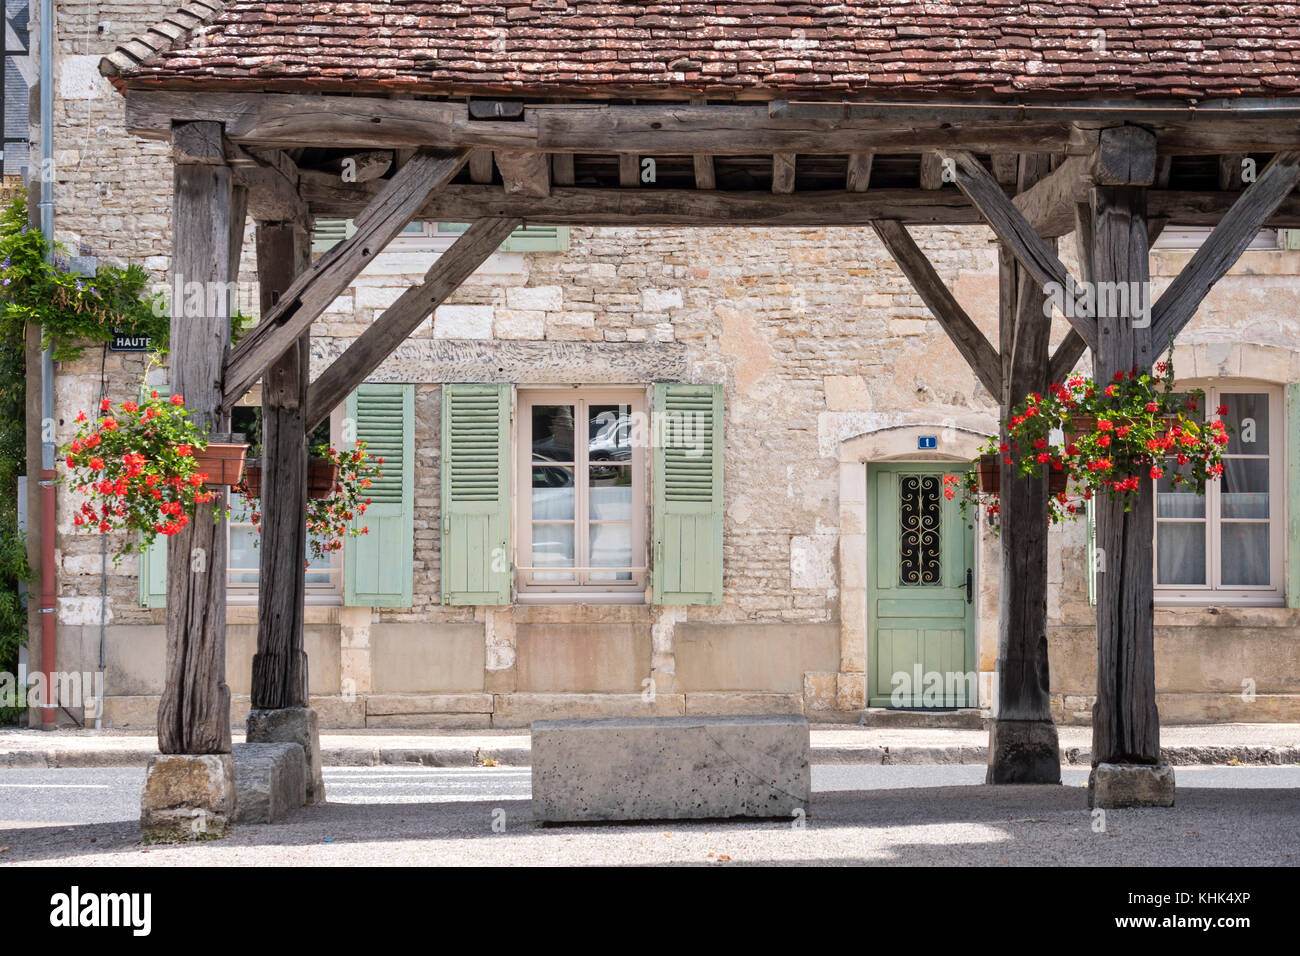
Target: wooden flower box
pixel 223 460
pixel 322 475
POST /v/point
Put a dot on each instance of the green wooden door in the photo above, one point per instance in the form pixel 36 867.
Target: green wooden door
pixel 919 603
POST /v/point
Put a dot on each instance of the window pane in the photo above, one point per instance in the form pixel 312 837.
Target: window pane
pixel 1245 488
pixel 553 548
pixel 1178 501
pixel 1245 554
pixel 611 547
pixel 553 433
pixel 1248 416
pixel 611 493
pixel 244 558
pixel 552 494
pixel 610 432
pixel 920 510
pixel 1180 552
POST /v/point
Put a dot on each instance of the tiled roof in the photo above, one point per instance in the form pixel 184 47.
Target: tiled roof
pixel 992 49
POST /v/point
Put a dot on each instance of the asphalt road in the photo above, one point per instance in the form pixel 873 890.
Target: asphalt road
pixel 860 814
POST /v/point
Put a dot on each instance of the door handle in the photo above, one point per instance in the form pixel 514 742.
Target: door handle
pixel 970 584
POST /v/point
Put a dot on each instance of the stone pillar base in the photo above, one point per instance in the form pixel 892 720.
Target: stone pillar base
pixel 1023 751
pixel 1114 785
pixel 187 797
pixel 292 725
pixel 270 781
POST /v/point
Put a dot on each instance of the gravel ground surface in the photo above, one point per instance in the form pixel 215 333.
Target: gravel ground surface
pixel 909 816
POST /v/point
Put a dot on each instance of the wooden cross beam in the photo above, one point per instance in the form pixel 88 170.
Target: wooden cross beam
pixel 1049 204
pixel 402 318
pixel 388 213
pixel 965 334
pixel 1224 246
pixel 1010 226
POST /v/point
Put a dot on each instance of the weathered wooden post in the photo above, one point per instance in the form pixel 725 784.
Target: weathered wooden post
pixel 190 788
pixel 1023 745
pixel 279 711
pixel 1125 725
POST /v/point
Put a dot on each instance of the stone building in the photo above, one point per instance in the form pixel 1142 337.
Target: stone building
pixel 814 379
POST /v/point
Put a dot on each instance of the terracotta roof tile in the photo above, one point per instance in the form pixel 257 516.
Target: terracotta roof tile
pixel 969 48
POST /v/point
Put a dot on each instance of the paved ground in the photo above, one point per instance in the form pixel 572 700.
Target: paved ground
pixel 1185 745
pixel 861 814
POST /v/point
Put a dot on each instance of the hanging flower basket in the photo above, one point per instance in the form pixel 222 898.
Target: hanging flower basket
pixel 322 477
pixel 223 459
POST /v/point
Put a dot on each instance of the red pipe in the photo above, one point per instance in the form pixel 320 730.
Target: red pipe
pixel 49 603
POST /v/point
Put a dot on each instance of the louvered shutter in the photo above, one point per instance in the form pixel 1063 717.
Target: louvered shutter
pixel 1292 422
pixel 330 232
pixel 476 494
pixel 688 494
pixel 378 565
pixel 525 238
pixel 1090 552
pixel 153 559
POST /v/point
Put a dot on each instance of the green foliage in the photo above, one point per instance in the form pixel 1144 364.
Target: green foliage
pixel 71 310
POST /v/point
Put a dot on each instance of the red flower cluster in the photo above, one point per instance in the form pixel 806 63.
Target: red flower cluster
pixel 137 470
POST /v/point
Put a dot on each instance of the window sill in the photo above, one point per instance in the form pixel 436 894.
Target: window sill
pixel 1226 615
pixel 573 597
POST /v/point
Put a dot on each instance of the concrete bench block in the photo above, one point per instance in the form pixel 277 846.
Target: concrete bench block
pixel 670 768
pixel 270 781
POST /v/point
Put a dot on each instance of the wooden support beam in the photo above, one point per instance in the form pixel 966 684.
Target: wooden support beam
pixel 858 177
pixel 367 122
pixel 1126 727
pixel 629 170
pixel 393 206
pixel 783 170
pixel 194 710
pixel 1049 204
pixel 272 186
pixel 704 174
pixel 1023 745
pixel 931 171
pixel 480 166
pixel 280 663
pixel 1006 168
pixel 962 330
pixel 1230 172
pixel 1224 246
pixel 1011 227
pixel 525 174
pixel 402 318
pixel 562 169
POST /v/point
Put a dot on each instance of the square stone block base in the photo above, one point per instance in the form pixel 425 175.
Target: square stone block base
pixel 270 781
pixel 292 725
pixel 670 768
pixel 1023 751
pixel 187 796
pixel 1114 785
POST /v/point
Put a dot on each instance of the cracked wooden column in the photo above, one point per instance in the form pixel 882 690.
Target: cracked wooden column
pixel 1023 744
pixel 280 711
pixel 190 788
pixel 1125 724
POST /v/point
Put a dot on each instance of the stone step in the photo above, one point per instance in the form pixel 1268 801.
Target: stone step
pixel 923 719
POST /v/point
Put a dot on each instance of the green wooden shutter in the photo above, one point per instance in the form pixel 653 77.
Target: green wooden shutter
pixel 525 238
pixel 1292 422
pixel 378 566
pixel 153 574
pixel 153 559
pixel 476 494
pixel 688 494
pixel 1090 552
pixel 330 232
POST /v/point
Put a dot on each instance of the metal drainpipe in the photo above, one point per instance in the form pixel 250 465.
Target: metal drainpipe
pixel 49 603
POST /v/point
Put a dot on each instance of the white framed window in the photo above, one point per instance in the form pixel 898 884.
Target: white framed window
pixel 324 578
pixel 1191 237
pixel 582 502
pixel 1228 545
